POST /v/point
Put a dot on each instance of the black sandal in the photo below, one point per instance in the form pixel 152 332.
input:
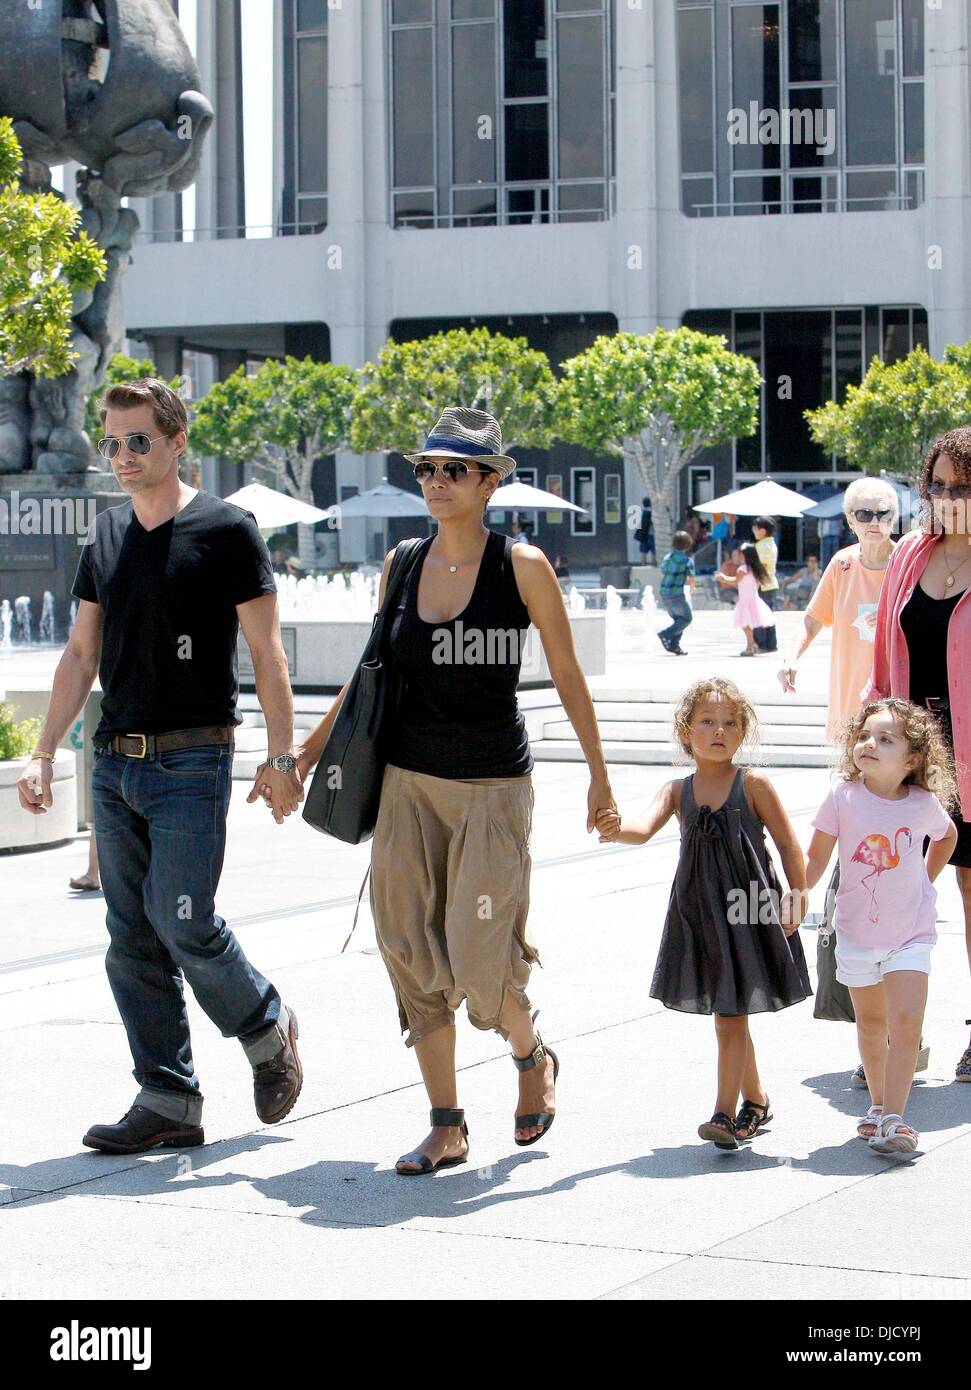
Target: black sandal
pixel 752 1116
pixel 546 1117
pixel 437 1117
pixel 720 1129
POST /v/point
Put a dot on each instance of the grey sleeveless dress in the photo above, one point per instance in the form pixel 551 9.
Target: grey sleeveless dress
pixel 724 951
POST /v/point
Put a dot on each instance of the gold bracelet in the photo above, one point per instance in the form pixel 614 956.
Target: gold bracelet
pixel 41 753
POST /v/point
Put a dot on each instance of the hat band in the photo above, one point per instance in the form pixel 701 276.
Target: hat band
pixel 461 446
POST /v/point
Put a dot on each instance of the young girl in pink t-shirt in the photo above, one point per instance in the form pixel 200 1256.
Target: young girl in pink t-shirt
pixel 896 781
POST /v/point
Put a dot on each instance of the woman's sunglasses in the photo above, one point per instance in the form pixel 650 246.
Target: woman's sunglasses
pixel 866 514
pixel 960 493
pixel 452 469
pixel 136 443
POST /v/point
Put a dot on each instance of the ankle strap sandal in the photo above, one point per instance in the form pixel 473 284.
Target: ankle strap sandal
pixel 543 1120
pixel 439 1117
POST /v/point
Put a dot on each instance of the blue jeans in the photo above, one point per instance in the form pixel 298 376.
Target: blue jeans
pixel 679 609
pixel 161 828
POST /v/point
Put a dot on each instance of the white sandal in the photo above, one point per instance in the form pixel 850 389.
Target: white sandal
pixel 894 1136
pixel 869 1126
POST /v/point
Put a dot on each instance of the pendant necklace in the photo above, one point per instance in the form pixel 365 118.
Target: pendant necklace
pixel 949 581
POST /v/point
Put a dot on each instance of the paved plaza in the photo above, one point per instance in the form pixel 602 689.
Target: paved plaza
pixel 621 1201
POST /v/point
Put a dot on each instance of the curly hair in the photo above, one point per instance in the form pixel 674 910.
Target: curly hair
pixel 957 445
pixel 933 771
pixel 714 685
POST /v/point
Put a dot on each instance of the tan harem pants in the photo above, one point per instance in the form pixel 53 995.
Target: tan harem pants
pixel 450 894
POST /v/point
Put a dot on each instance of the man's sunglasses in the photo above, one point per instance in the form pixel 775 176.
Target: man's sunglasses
pixel 960 493
pixel 866 514
pixel 452 469
pixel 136 443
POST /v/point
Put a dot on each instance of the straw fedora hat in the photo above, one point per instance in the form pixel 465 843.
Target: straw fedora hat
pixel 465 433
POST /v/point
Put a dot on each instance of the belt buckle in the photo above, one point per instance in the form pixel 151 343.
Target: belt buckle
pixel 144 752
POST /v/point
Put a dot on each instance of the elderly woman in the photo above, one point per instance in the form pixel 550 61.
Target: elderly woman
pixel 846 599
pixel 922 644
pixel 450 858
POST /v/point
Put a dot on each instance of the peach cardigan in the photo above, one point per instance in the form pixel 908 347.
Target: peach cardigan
pixel 890 674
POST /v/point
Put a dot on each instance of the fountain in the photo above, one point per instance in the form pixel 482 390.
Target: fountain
pixel 47 617
pixel 6 624
pixel 22 619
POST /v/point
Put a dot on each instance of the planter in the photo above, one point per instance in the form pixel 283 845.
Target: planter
pixel 19 830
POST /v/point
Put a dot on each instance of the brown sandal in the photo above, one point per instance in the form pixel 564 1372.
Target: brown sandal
pixel 752 1117
pixel 720 1129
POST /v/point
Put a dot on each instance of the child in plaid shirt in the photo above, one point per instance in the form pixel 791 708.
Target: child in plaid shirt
pixel 677 569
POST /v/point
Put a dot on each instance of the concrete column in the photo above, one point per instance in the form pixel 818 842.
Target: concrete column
pixel 220 190
pixel 948 161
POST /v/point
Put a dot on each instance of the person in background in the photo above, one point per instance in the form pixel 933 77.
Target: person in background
pixel 729 570
pixel 800 588
pixel 751 612
pixel 677 570
pixel 90 880
pixel 692 526
pixel 560 567
pixel 644 535
pixel 763 529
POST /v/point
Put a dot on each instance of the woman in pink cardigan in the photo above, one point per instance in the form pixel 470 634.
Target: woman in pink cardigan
pixel 922 643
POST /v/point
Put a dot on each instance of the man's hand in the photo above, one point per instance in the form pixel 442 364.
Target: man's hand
pixel 34 787
pixel 282 791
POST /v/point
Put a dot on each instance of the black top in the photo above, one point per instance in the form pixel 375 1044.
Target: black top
pixel 168 655
pixel 458 715
pixel 924 621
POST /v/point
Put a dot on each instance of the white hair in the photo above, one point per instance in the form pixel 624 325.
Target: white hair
pixel 864 490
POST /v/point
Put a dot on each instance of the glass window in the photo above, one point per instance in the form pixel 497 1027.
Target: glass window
pixel 311 214
pixel 913 188
pixel 894 334
pixel 411 11
pixel 913 123
pixel 524 205
pixel 527 142
pixel 413 107
pixel 913 38
pixel 797 355
pixel 812 129
pixel 755 73
pixel 583 494
pixel 873 192
pixel 568 6
pixel 812 40
pixel 473 9
pixel 920 336
pixel 474 207
pixel 814 193
pixel 526 48
pixel 414 209
pixel 849 351
pixel 755 196
pixel 695 94
pixel 312 114
pixel 474 103
pixel 695 194
pixel 580 90
pixel 311 14
pixel 580 202
pixel 871 49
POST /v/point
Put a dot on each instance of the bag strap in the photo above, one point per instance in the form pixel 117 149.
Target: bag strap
pixel 406 552
pixel 356 911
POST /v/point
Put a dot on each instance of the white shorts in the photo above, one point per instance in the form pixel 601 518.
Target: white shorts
pixel 858 966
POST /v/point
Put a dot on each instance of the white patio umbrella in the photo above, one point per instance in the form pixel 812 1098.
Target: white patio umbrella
pixel 766 498
pixel 523 497
pixel 275 509
pixel 384 500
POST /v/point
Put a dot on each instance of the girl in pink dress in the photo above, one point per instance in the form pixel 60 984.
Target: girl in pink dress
pixel 750 610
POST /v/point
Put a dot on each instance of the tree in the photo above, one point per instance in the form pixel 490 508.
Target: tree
pixel 890 419
pixel 46 260
pixel 119 369
pixel 658 400
pixel 284 418
pixel 405 391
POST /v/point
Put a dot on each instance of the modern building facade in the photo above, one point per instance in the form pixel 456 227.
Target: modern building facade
pixel 793 175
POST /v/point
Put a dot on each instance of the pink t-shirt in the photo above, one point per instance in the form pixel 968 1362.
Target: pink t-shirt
pixel 885 898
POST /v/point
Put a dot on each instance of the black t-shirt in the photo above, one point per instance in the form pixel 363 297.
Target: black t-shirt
pixel 168 655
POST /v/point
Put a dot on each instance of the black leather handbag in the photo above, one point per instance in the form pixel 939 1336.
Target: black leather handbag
pixel 345 792
pixel 833 999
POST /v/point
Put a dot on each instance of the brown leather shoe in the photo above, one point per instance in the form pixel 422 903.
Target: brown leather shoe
pixel 277 1083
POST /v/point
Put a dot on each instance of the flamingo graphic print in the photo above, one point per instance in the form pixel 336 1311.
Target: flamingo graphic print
pixel 876 851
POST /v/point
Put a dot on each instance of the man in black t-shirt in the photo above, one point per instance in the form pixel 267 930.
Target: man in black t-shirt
pixel 162 589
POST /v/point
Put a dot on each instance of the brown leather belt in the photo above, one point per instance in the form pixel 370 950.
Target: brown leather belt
pixel 150 745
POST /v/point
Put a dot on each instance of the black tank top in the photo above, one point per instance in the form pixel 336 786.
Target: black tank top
pixel 458 715
pixel 925 621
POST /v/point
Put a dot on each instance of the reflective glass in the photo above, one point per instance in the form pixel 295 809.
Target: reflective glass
pixel 895 335
pixel 871 49
pixel 414 209
pixel 411 11
pixel 812 40
pixel 526 57
pixel 695 95
pixel 812 129
pixel 527 141
pixel 872 192
pixel 913 123
pixel 755 58
pixel 913 38
pixel 580 63
pixel 312 114
pixel 474 207
pixel 414 111
pixel 695 194
pixel 311 14
pixel 849 351
pixel 473 9
pixel 474 131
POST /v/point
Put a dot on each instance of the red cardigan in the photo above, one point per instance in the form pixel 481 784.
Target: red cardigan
pixel 891 658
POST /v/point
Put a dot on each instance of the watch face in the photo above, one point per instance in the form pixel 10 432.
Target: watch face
pixel 284 763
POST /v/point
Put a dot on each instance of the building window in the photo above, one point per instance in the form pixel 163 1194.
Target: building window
pixel 500 111
pixel 583 493
pixel 305 123
pixel 800 106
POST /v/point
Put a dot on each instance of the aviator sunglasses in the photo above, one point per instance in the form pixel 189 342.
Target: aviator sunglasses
pixel 866 514
pixel 136 443
pixel 452 469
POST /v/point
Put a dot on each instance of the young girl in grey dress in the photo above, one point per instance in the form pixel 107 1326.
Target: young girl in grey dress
pixel 730 945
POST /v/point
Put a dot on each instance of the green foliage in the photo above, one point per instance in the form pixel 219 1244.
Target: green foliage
pixel 119 369
pixel 16 740
pixel 286 416
pixel 46 260
pixel 405 391
pixel 890 419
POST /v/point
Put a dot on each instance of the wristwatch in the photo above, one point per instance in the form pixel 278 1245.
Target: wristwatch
pixel 283 762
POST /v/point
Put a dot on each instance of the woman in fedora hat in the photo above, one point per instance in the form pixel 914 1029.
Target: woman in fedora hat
pixel 450 859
